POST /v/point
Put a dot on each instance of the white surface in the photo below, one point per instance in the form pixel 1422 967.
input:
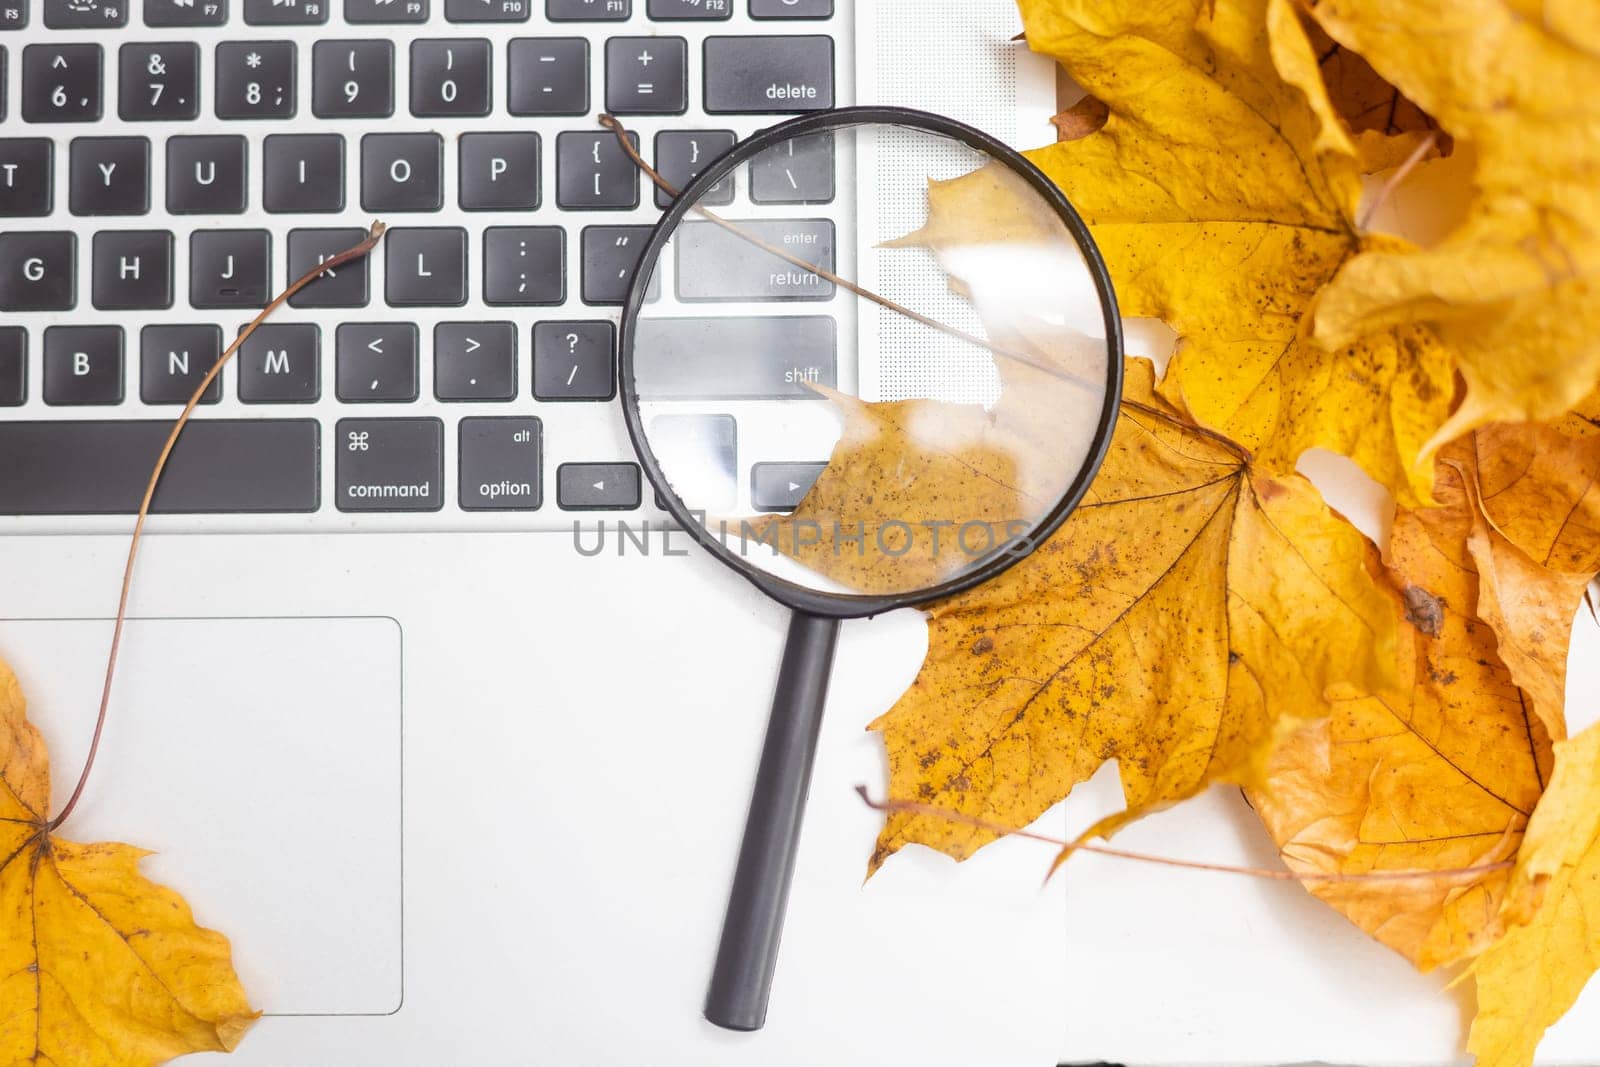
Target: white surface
pixel 580 739
pixel 260 760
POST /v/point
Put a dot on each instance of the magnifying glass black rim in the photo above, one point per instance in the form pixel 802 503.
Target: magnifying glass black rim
pixel 858 605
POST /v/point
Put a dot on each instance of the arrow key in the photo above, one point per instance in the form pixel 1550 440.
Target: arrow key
pixel 475 361
pixel 781 486
pixel 597 486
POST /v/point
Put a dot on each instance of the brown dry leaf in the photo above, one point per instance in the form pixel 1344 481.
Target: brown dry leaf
pixel 1384 126
pixel 1081 119
pixel 1513 290
pixel 1536 544
pixel 1223 190
pixel 1441 773
pixel 1528 979
pixel 102 968
pixel 1187 613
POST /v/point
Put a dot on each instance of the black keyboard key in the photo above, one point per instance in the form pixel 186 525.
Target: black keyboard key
pixel 689 10
pixel 83 365
pixel 610 257
pixel 402 172
pixel 341 287
pixel 302 173
pixel 574 361
pixel 174 360
pixel 85 14
pixel 588 10
pixel 497 171
pixel 768 75
pixel 682 154
pixel 281 363
pixel 450 78
pixel 27 173
pixel 714 264
pixel 487 10
pixel 754 357
pixel 61 83
pixel 791 9
pixel 500 464
pixel 13 366
pixel 475 361
pixel 255 80
pixel 109 176
pixel 798 171
pixel 647 75
pixel 3 80
pixel 163 13
pixel 524 265
pixel 380 12
pixel 548 76
pixel 13 14
pixel 781 486
pixel 376 362
pixel 38 271
pixel 389 465
pixel 230 268
pixel 285 12
pixel 425 267
pixel 206 175
pixel 592 171
pixel 101 468
pixel 597 486
pixel 158 81
pixel 352 79
pixel 132 270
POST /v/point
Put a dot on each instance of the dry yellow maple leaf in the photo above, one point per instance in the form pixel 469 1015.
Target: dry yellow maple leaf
pixel 101 967
pixel 1223 190
pixel 1440 773
pixel 1189 610
pixel 1528 979
pixel 1513 290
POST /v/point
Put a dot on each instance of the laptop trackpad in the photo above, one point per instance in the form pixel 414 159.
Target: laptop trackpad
pixel 260 759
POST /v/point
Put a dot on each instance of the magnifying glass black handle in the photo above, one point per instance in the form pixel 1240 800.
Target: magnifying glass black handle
pixel 741 981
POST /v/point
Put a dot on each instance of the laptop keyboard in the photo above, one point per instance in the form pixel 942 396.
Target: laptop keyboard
pixel 166 167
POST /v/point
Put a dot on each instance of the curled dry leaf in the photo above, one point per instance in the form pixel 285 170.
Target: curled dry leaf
pixel 1528 980
pixel 1536 544
pixel 100 965
pixel 1512 289
pixel 1223 190
pixel 1439 773
pixel 1384 125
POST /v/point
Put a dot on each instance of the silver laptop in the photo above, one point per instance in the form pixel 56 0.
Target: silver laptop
pixel 459 789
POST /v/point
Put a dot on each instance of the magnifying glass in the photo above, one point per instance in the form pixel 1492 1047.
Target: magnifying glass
pixel 870 358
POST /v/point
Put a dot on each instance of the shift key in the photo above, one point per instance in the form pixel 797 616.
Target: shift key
pixel 389 465
pixel 716 264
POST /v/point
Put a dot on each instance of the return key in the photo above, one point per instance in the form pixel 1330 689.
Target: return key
pixel 714 264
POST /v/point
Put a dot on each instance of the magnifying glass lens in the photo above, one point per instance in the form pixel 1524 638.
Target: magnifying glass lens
pixel 891 301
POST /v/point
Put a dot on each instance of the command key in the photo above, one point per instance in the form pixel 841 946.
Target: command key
pixel 389 465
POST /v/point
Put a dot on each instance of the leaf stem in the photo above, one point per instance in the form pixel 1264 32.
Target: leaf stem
pixel 1068 847
pixel 1409 164
pixel 374 235
pixel 610 122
